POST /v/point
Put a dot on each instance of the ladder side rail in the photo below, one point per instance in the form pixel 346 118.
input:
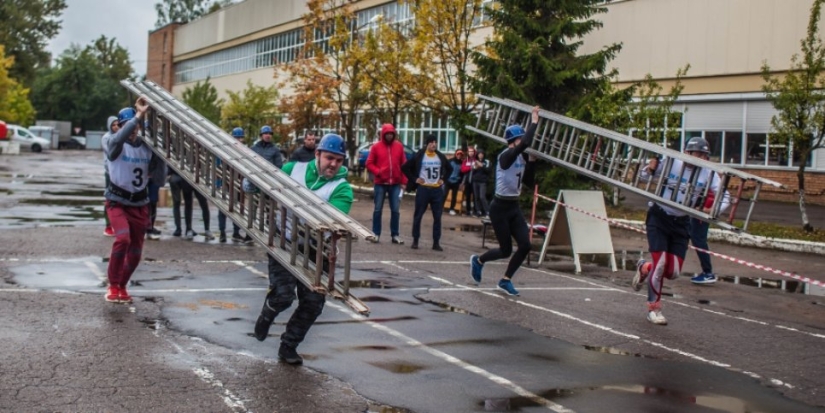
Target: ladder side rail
pixel 652 147
pixel 676 206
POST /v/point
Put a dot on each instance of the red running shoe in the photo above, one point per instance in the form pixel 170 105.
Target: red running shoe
pixel 113 294
pixel 125 298
pixel 109 232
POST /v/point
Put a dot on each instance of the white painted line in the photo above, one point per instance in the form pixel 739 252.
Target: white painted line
pixel 393 264
pixel 19 290
pixel 600 327
pixel 520 289
pixel 140 292
pixel 251 269
pixel 231 400
pixel 501 381
pixel 96 271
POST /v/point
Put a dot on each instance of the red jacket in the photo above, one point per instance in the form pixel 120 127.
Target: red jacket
pixel 385 160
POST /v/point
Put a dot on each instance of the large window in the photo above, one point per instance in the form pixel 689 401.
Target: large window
pixel 757 149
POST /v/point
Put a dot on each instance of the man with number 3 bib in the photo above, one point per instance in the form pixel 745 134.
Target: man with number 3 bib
pixel 131 165
pixel 425 174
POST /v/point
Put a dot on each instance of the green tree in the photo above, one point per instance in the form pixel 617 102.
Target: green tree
pixel 443 33
pixel 184 11
pixel 77 89
pixel 15 106
pixel 533 55
pixel 26 26
pixel 799 99
pixel 203 98
pixel 333 60
pixel 250 109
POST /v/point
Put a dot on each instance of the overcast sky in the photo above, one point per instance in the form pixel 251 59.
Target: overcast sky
pixel 127 21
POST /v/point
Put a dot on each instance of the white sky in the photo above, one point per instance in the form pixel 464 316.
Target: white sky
pixel 127 21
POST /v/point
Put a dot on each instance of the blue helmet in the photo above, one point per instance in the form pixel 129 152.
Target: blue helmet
pixel 333 143
pixel 237 133
pixel 513 132
pixel 265 129
pixel 125 115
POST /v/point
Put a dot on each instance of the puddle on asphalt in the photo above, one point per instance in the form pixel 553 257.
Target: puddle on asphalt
pixel 92 193
pixel 153 324
pixel 372 408
pixel 716 402
pixel 466 228
pixel 374 320
pixel 381 285
pixel 397 367
pixel 373 347
pixel 611 350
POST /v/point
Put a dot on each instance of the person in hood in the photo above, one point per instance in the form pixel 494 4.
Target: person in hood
pixel 132 164
pixel 111 129
pixel 384 162
pixel 326 176
pixel 425 174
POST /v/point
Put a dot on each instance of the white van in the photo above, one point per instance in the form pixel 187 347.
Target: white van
pixel 27 139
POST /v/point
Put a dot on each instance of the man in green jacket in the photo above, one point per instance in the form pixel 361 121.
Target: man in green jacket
pixel 327 177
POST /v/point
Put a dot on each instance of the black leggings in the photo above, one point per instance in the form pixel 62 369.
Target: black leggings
pixel 508 223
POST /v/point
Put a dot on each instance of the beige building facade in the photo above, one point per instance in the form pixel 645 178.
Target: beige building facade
pixel 725 42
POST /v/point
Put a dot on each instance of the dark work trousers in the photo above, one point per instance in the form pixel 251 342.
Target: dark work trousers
pixel 480 193
pixel 129 224
pixel 178 186
pixel 154 196
pixel 468 198
pixel 236 230
pixel 281 294
pixel 451 190
pixel 434 198
pixel 699 239
pixel 508 222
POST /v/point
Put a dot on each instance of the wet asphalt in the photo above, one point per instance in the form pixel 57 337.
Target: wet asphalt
pixel 434 341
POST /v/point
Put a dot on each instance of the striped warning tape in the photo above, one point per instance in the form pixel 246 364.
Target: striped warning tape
pixel 715 254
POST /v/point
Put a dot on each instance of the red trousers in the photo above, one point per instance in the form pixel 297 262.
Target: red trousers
pixel 129 224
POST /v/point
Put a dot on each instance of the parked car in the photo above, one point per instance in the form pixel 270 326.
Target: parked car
pixel 75 142
pixel 364 151
pixel 26 139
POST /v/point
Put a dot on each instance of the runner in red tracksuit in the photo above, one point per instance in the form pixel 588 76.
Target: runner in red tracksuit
pixel 384 162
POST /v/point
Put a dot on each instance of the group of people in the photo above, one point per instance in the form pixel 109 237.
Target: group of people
pixel 431 175
pixel 131 166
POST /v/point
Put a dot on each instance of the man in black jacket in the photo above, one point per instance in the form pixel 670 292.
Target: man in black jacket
pixel 426 174
pixel 266 149
pixel 306 152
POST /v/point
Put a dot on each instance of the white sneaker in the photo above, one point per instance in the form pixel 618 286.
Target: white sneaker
pixel 452 212
pixel 190 234
pixel 208 235
pixel 656 317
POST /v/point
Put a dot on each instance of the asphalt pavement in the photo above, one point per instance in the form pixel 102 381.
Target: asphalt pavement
pixel 434 342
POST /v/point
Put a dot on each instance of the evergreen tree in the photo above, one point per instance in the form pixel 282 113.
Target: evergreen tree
pixel 532 57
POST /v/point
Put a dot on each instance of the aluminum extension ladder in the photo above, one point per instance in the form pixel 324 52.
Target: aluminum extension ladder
pixel 191 145
pixel 617 159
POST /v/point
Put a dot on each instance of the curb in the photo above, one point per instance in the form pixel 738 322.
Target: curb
pixel 754 241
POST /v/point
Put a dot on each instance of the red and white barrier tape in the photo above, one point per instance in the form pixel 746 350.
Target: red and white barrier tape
pixel 716 254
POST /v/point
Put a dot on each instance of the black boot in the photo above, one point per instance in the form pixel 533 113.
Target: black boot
pixel 289 355
pixel 264 322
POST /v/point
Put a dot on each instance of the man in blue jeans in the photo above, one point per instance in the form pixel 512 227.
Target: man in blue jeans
pixel 699 239
pixel 384 162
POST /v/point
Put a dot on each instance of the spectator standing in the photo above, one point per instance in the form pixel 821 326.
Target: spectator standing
pixel 481 173
pixel 384 162
pixel 306 152
pixel 467 181
pixel 238 134
pixel 425 175
pixel 453 184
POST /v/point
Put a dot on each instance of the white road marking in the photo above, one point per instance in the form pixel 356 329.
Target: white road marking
pixel 501 381
pixel 251 269
pixel 231 400
pixel 96 271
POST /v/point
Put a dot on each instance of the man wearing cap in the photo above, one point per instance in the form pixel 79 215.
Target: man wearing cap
pixel 266 149
pixel 131 165
pixel 514 168
pixel 425 175
pixel 326 177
